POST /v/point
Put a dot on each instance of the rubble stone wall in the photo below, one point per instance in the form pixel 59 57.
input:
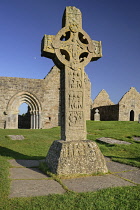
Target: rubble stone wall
pixel 42 96
pixel 107 113
pixel 102 99
pixel 128 108
pixel 130 102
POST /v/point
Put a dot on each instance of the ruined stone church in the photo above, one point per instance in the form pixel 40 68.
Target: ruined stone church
pixel 42 97
pixel 127 109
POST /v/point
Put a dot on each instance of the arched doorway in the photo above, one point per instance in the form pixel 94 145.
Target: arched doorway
pixel 131 115
pixel 24 117
pixel 34 110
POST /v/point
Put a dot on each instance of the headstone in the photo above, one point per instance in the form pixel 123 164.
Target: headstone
pixel 96 115
pixel 139 118
pixel 71 50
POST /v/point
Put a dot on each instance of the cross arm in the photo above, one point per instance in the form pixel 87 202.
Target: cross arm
pixel 97 50
pixel 47 49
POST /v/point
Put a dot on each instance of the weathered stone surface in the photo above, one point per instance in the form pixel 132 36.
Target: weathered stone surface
pixel 107 109
pixel 26 173
pixel 127 109
pixel 33 184
pixel 72 49
pixel 43 95
pixel 16 137
pixel 75 157
pixel 136 138
pixel 94 183
pixel 133 176
pixel 129 106
pixel 119 167
pixel 102 99
pixel 29 188
pixel 112 141
pixel 96 115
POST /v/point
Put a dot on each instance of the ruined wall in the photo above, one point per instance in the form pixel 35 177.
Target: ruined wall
pixel 107 113
pixel 127 109
pixel 42 96
pixel 107 109
pixel 130 102
pixel 9 88
pixel 88 100
pixel 102 99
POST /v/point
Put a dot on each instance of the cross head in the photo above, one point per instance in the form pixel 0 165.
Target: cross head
pixel 72 49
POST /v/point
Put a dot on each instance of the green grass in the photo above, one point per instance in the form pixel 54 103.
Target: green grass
pixel 36 145
pixel 128 154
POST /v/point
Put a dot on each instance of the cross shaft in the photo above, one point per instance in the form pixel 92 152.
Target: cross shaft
pixel 72 49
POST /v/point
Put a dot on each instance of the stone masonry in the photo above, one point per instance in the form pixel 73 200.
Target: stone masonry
pixel 72 49
pixel 127 109
pixel 41 95
pixel 129 106
pixel 102 99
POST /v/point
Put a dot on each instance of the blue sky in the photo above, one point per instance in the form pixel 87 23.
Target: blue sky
pixel 116 23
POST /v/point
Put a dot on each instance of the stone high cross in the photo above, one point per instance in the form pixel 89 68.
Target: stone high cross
pixel 71 50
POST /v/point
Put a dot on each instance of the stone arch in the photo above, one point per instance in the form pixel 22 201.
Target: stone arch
pixel 12 110
pixel 132 115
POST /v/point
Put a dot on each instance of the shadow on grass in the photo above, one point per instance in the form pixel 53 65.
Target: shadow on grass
pixel 30 162
pixel 123 158
pixel 6 152
pixel 105 143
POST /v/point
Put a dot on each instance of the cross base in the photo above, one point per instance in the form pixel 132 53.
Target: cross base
pixel 75 157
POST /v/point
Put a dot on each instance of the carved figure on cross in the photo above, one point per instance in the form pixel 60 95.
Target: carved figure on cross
pixel 72 49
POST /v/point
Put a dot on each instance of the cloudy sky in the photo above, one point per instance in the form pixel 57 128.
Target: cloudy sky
pixel 116 23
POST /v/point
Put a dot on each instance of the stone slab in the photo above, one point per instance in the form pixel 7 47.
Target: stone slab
pixel 136 138
pixel 28 182
pixel 112 141
pixel 93 183
pixel 24 163
pixel 26 173
pixel 29 188
pixel 134 176
pixel 119 167
pixel 16 137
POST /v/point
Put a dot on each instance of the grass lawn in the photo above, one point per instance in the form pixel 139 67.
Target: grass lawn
pixel 36 145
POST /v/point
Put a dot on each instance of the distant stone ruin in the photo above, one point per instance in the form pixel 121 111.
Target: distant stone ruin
pixel 128 108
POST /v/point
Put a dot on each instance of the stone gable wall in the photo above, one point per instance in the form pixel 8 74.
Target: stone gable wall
pixel 107 113
pixel 129 102
pixel 102 99
pixel 41 94
pixel 127 109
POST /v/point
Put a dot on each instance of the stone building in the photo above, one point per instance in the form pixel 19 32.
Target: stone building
pixel 129 106
pixel 41 96
pixel 127 109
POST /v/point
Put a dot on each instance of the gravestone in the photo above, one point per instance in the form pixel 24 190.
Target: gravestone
pixel 139 119
pixel 71 50
pixel 96 115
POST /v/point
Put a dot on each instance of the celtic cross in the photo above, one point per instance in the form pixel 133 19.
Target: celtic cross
pixel 72 49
